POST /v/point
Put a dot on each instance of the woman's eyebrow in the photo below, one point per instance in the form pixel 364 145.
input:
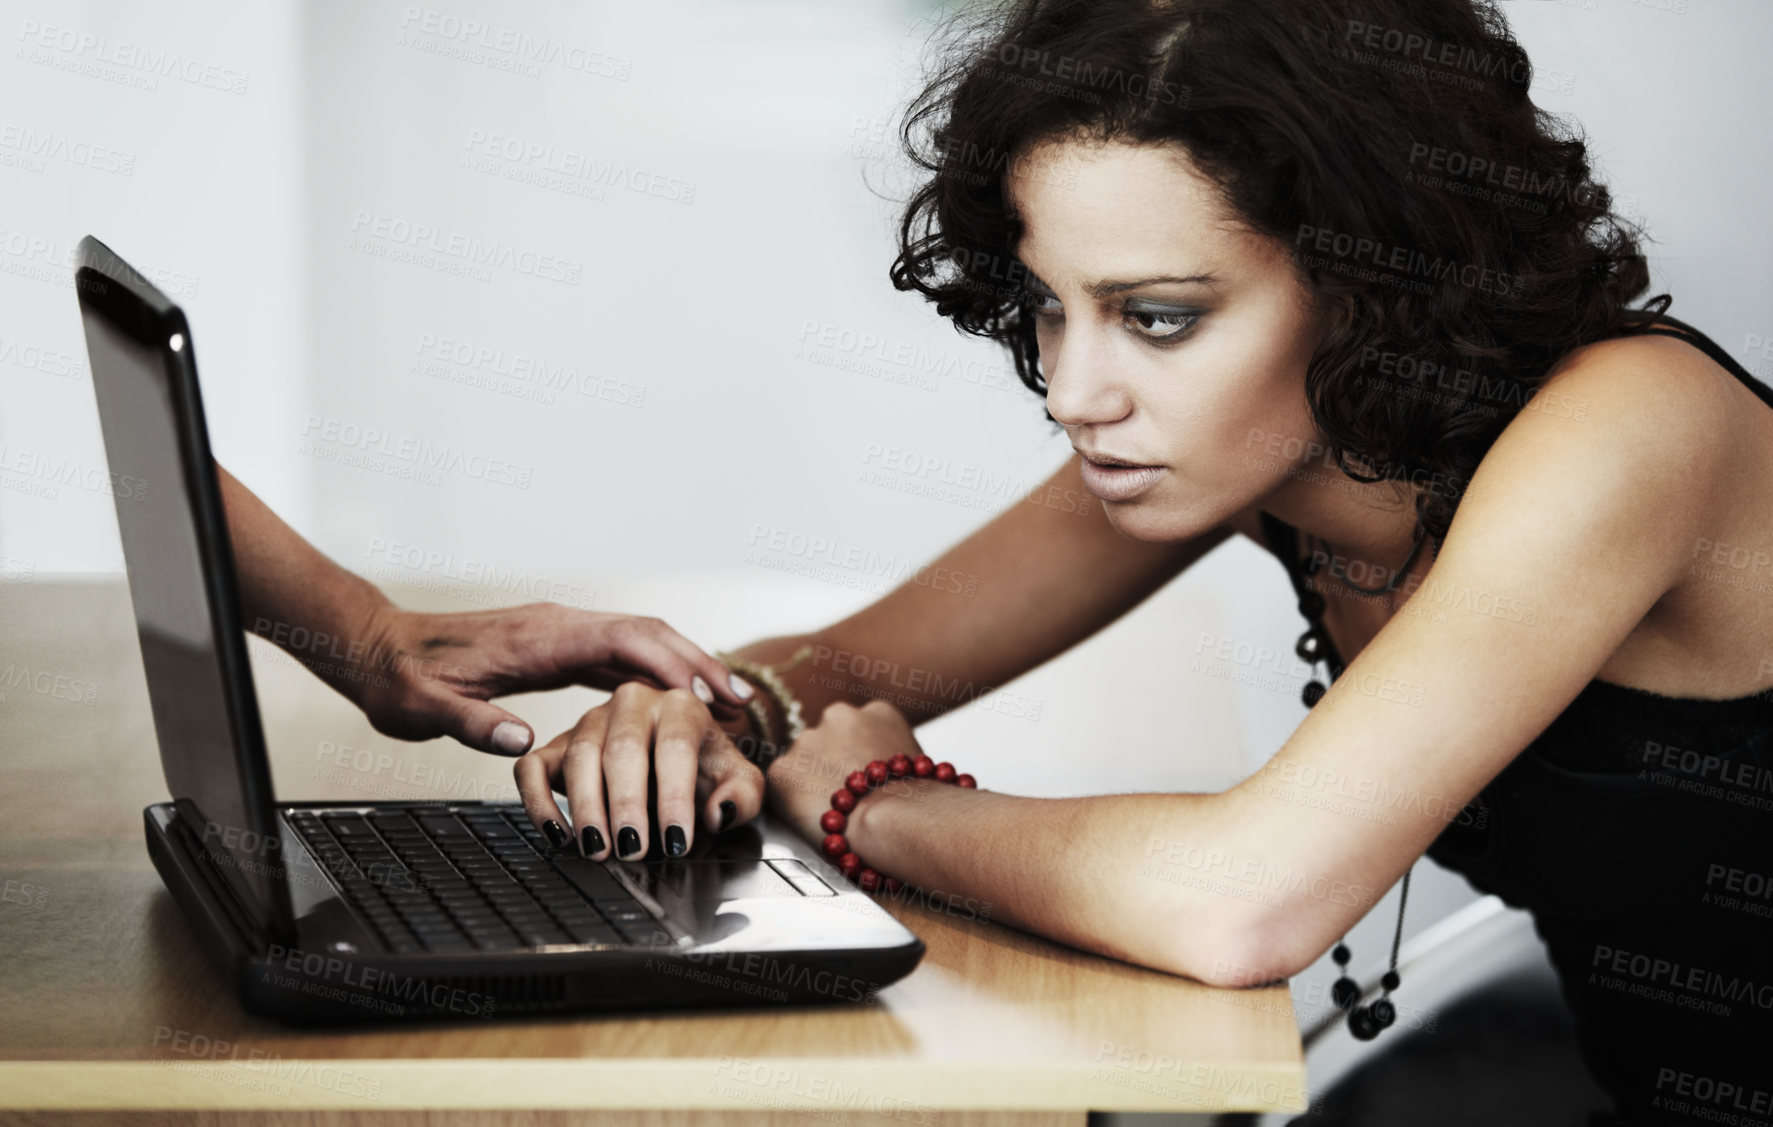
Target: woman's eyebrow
pixel 1110 286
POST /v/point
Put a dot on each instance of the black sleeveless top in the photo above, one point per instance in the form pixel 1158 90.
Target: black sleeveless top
pixel 1638 831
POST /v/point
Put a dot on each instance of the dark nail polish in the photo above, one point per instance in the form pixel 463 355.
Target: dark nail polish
pixel 590 840
pixel 728 811
pixel 628 841
pixel 675 843
pixel 556 834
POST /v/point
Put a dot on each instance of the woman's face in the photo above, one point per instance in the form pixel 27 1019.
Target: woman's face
pixel 1171 336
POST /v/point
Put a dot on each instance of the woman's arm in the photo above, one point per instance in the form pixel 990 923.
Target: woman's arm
pixel 1029 585
pixel 1569 533
pixel 417 676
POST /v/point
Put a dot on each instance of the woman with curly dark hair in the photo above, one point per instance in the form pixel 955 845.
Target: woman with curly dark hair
pixel 1320 268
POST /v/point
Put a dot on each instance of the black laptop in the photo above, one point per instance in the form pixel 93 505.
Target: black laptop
pixel 376 911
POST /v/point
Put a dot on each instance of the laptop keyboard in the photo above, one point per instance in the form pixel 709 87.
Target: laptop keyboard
pixel 470 878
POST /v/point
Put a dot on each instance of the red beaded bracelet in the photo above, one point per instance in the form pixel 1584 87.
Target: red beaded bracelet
pixel 843 802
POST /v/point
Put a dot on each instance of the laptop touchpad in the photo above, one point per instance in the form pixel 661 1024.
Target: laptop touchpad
pixel 711 881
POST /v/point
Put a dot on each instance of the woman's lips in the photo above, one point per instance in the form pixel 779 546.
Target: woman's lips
pixel 1119 483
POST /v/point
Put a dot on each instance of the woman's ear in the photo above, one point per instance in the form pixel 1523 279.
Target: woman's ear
pixel 1335 316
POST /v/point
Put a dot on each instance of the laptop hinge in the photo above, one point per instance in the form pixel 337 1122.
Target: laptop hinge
pixel 221 891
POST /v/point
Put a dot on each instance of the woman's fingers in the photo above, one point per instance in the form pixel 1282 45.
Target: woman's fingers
pixel 733 784
pixel 627 767
pixel 682 731
pixel 651 645
pixel 581 772
pixel 642 756
pixel 535 772
pixel 480 724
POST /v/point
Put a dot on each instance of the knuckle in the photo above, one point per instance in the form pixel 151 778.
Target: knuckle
pixel 625 747
pixel 630 693
pixel 683 698
pixel 675 745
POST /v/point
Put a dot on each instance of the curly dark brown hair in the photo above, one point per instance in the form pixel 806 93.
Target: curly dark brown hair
pixel 1451 225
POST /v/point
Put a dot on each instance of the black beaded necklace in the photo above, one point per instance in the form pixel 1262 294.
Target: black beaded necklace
pixel 1365 1022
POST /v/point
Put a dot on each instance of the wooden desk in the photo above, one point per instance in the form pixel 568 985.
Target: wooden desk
pixel 114 1015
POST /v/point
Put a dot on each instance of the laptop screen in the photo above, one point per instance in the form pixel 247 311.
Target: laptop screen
pixel 181 576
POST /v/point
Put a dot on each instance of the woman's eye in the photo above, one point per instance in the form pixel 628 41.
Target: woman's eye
pixel 1044 305
pixel 1161 325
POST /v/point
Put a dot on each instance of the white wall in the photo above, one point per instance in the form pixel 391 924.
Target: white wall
pixel 172 133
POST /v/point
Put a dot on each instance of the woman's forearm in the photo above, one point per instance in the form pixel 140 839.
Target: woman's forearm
pixel 294 596
pixel 839 666
pixel 1078 870
pixel 979 616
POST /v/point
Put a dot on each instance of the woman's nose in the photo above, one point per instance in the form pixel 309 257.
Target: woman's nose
pixel 1081 385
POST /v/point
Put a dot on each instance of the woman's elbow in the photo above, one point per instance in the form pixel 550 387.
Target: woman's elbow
pixel 1248 948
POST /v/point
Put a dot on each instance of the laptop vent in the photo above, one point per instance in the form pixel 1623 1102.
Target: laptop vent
pixel 510 993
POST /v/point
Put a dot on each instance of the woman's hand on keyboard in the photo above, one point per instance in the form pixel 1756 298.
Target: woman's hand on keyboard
pixel 431 675
pixel 643 738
